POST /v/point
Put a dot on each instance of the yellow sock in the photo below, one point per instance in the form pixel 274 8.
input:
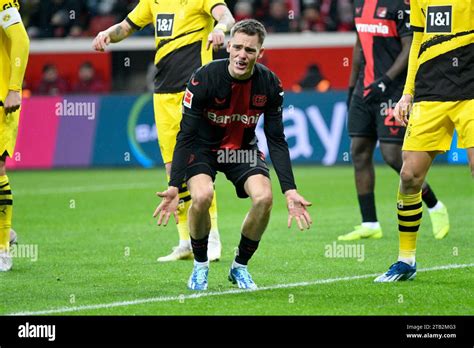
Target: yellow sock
pixel 184 203
pixel 6 211
pixel 410 211
pixel 213 214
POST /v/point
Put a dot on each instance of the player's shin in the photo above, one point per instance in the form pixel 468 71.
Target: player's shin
pixel 199 226
pixel 409 219
pixel 6 211
pixel 253 227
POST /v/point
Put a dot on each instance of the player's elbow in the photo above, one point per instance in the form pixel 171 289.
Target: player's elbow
pixel 127 28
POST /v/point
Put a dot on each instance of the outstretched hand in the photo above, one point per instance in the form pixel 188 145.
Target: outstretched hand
pixel 168 206
pixel 297 209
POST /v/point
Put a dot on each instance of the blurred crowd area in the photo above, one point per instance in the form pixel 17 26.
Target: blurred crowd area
pixel 73 18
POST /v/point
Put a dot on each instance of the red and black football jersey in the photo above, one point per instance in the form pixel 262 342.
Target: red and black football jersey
pixel 380 24
pixel 220 112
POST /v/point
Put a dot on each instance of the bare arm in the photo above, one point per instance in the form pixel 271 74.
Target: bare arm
pixel 223 17
pixel 225 22
pixel 356 58
pixel 115 33
pixel 401 63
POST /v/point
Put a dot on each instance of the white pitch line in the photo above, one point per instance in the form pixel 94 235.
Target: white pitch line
pixel 221 293
pixel 84 189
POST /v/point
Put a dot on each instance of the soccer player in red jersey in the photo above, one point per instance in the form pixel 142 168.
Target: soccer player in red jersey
pixel 222 105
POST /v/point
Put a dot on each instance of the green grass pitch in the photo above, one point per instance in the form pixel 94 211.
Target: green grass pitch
pixel 98 244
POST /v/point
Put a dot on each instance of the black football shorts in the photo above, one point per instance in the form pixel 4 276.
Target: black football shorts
pixel 237 165
pixel 374 120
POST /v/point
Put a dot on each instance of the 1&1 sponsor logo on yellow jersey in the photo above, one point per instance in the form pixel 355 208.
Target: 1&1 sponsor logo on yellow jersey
pixel 9 4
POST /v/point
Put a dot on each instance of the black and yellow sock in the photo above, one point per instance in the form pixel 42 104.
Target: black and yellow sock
pixel 6 212
pixel 184 203
pixel 410 211
pixel 183 207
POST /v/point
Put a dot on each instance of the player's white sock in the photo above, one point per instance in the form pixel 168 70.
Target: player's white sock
pixel 185 244
pixel 214 235
pixel 409 260
pixel 437 207
pixel 371 225
pixel 237 265
pixel 201 264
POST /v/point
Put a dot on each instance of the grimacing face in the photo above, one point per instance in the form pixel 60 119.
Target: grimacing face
pixel 244 50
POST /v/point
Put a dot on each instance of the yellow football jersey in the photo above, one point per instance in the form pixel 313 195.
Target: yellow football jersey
pixel 446 57
pixel 7 18
pixel 181 31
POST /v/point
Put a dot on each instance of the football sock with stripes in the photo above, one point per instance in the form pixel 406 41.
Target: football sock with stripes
pixel 184 203
pixel 6 211
pixel 410 211
pixel 247 248
pixel 183 207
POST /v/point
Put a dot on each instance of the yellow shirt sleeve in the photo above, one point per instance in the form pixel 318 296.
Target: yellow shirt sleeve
pixel 208 5
pixel 413 63
pixel 11 23
pixel 20 49
pixel 417 24
pixel 417 20
pixel 141 15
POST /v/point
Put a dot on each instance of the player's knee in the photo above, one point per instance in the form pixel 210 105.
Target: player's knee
pixel 263 200
pixel 410 179
pixel 361 156
pixel 202 199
